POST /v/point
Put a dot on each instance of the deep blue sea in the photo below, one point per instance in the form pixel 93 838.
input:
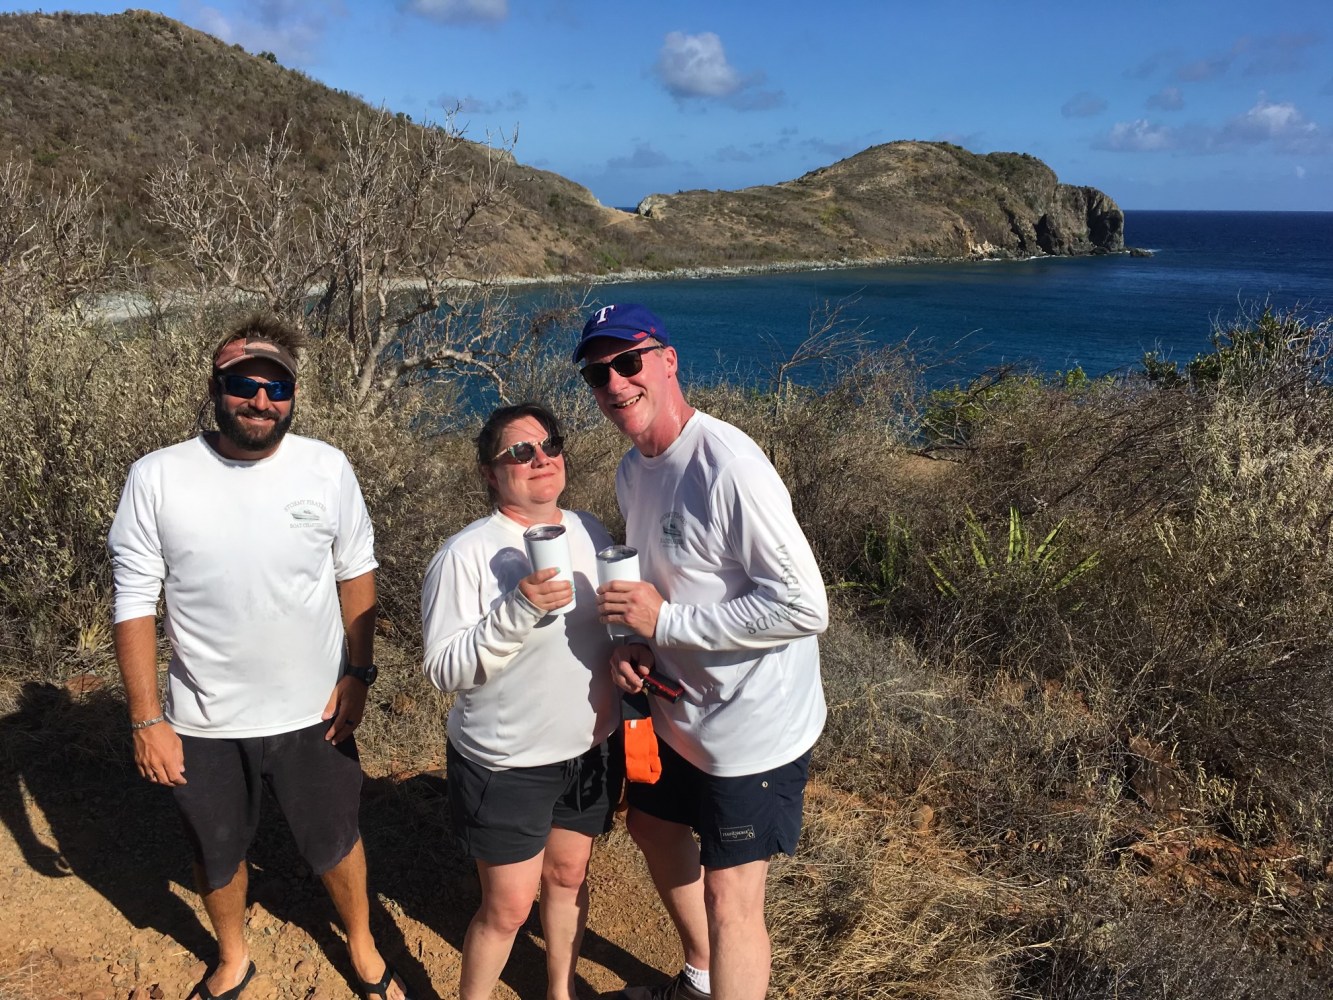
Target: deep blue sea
pixel 1051 314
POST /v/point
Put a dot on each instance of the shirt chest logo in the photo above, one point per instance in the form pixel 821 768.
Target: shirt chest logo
pixel 305 513
pixel 673 530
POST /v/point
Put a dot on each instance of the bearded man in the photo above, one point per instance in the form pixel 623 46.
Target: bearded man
pixel 263 543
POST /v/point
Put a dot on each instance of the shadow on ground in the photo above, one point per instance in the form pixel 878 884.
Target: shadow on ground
pixel 71 755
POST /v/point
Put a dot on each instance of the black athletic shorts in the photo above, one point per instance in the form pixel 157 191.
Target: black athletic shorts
pixel 502 817
pixel 317 785
pixel 741 819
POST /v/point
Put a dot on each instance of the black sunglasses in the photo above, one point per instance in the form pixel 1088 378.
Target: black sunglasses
pixel 278 390
pixel 629 363
pixel 525 451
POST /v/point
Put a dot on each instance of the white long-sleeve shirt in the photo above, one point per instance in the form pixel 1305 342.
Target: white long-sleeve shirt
pixel 250 554
pixel 532 689
pixel 716 535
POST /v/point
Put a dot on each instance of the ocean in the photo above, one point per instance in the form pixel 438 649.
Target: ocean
pixel 1051 314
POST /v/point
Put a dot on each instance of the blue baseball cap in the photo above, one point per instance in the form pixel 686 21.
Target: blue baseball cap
pixel 626 321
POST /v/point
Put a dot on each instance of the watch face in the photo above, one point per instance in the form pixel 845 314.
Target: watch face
pixel 366 675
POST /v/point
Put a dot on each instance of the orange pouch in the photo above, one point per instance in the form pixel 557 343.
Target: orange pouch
pixel 641 760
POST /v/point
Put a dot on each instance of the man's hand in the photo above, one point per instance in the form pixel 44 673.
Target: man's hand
pixel 546 592
pixel 635 603
pixel 158 754
pixel 629 665
pixel 346 706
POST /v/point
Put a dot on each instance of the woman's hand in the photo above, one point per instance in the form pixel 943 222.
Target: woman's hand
pixel 546 592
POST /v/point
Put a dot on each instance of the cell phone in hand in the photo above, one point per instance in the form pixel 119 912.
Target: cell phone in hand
pixel 662 686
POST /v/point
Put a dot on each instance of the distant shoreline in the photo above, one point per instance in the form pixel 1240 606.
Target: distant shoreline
pixel 119 307
pixel 781 267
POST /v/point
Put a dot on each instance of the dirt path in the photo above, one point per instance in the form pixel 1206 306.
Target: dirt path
pixel 96 904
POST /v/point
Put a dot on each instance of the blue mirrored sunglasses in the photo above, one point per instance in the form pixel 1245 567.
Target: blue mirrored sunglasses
pixel 278 390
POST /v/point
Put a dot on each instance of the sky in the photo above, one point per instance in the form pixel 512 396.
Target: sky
pixel 1170 104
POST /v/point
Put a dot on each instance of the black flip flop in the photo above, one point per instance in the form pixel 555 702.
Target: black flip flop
pixel 381 989
pixel 204 993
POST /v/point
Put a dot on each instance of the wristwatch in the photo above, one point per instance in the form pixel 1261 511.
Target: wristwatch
pixel 366 675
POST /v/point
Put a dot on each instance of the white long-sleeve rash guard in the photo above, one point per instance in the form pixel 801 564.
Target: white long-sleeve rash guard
pixel 716 535
pixel 532 689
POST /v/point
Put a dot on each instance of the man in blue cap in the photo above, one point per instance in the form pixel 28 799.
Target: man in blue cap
pixel 731 601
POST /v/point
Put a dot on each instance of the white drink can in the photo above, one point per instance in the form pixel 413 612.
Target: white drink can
pixel 617 562
pixel 548 548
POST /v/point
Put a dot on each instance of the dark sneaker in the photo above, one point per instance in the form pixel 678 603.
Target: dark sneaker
pixel 674 989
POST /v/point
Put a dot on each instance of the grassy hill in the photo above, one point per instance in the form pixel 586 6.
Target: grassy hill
pixel 119 96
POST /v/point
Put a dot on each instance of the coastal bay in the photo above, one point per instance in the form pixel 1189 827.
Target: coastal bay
pixel 1044 314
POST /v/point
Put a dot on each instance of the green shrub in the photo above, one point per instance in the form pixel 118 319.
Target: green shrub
pixel 1272 347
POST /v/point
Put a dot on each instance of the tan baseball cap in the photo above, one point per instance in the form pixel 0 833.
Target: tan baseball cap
pixel 243 348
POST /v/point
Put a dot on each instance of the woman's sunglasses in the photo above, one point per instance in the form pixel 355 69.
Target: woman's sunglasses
pixel 525 451
pixel 629 363
pixel 279 390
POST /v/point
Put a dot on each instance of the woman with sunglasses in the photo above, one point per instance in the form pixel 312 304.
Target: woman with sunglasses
pixel 531 778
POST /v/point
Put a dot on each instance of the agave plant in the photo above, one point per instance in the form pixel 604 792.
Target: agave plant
pixel 1016 556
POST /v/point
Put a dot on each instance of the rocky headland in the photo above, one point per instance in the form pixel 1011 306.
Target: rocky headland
pixel 902 200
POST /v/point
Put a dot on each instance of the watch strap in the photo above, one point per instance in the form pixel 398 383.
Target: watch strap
pixel 366 675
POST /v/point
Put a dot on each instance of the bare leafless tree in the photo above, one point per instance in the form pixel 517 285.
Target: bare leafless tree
pixel 383 263
pixel 832 340
pixel 53 248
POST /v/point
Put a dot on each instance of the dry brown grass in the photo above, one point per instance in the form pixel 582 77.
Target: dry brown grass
pixel 872 909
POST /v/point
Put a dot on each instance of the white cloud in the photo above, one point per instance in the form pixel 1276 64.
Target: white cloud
pixel 696 66
pixel 1138 136
pixel 1083 105
pixel 459 11
pixel 1279 121
pixel 1300 172
pixel 1275 125
pixel 1279 125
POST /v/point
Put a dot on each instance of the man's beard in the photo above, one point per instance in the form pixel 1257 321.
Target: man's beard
pixel 247 440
